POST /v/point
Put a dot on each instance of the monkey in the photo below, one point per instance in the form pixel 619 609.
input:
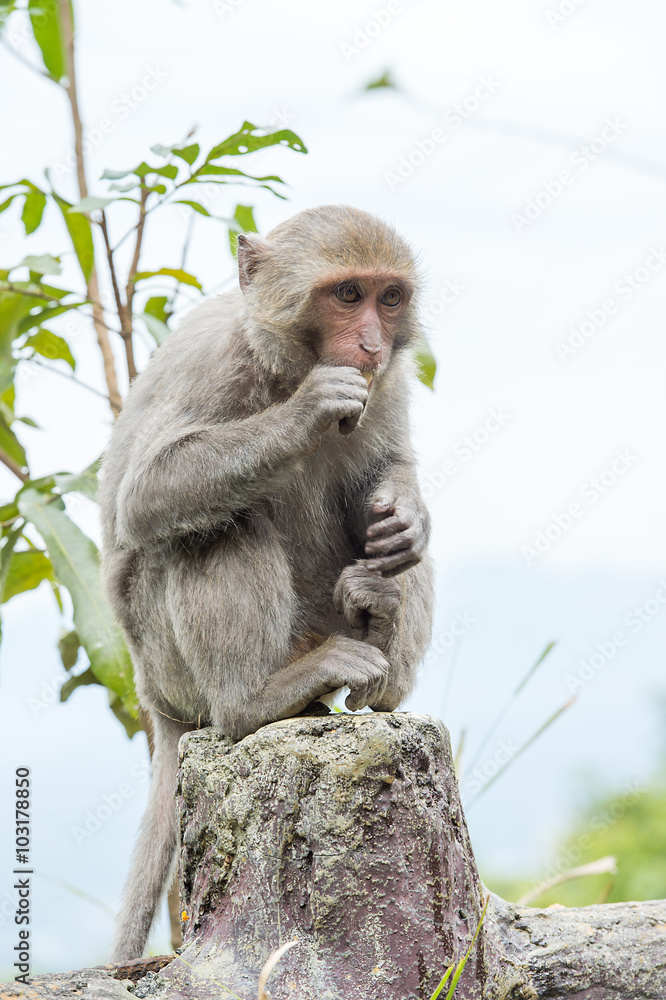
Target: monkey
pixel 264 537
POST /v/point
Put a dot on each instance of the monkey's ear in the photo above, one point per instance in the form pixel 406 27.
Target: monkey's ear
pixel 252 249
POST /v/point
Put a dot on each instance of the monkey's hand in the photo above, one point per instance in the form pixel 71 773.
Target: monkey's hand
pixel 397 538
pixel 367 600
pixel 361 667
pixel 329 394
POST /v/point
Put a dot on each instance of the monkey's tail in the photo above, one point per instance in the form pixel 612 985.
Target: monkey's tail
pixel 155 849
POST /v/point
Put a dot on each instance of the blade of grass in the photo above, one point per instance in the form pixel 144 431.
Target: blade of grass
pixel 443 982
pixel 271 962
pixel 601 866
pixel 507 705
pixel 524 747
pixel 459 751
pixel 462 963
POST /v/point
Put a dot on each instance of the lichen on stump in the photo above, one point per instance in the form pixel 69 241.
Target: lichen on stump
pixel 345 832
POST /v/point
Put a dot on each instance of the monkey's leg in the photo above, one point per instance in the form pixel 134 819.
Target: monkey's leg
pixel 237 624
pixel 155 849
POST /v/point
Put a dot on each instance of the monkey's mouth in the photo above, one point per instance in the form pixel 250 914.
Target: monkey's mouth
pixel 368 375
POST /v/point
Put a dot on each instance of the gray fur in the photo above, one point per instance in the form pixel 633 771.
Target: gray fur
pixel 235 515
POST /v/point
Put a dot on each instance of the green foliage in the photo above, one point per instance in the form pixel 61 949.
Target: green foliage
pixel 40 542
pixel 457 970
pixel 26 571
pixel 50 346
pixel 46 21
pixel 382 82
pixel 427 365
pixel 75 565
pixel 631 827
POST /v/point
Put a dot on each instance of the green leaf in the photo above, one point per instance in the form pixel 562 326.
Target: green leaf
pixel 131 722
pixel 129 186
pixel 55 293
pixel 427 365
pixel 183 277
pixel 47 29
pixel 46 264
pixel 188 153
pixel 33 209
pixel 89 204
pixel 13 308
pixel 75 564
pixel 158 330
pixel 8 512
pixel 193 204
pixel 44 315
pixel 10 444
pixel 246 140
pixel 215 170
pixel 115 175
pixel 385 80
pixel 9 200
pixel 244 216
pixel 80 233
pixel 68 646
pixel 7 555
pixel 27 570
pixel 78 680
pixel 157 306
pixel 170 170
pixel 51 346
pixel 83 482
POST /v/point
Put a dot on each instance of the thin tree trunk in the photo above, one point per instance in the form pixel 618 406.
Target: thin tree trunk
pixel 99 324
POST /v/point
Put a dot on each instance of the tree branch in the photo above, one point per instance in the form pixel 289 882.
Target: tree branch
pixel 13 466
pixel 127 325
pixel 92 285
pixel 70 378
pixel 26 62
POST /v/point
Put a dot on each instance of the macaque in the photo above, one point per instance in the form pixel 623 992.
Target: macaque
pixel 264 535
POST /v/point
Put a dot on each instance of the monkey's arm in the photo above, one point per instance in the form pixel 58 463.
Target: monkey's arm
pixel 396 524
pixel 199 477
pixel 396 615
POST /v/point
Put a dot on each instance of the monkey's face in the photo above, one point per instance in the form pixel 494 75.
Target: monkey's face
pixel 359 320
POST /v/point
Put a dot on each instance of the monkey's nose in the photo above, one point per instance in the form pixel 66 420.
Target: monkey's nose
pixel 370 347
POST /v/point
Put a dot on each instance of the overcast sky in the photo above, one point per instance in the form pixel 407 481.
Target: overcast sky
pixel 524 157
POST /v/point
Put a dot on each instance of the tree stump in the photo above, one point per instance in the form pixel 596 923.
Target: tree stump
pixel 346 833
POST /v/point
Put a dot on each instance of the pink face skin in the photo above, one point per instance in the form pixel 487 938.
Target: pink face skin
pixel 360 316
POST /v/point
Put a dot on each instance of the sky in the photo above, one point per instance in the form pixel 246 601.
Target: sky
pixel 523 154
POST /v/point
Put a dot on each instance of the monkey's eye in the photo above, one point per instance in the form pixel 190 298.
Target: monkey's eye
pixel 348 293
pixel 392 297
